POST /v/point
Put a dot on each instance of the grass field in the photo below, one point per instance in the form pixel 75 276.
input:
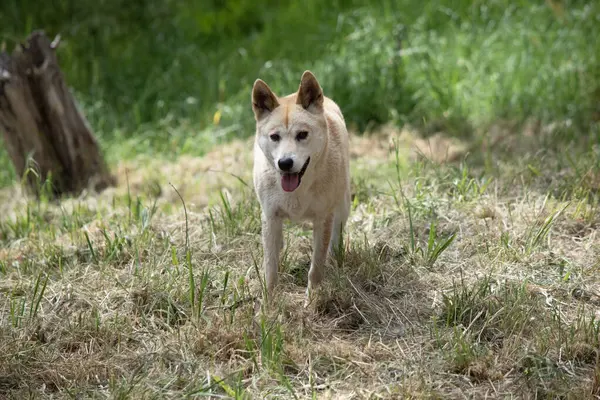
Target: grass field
pixel 459 279
pixel 472 256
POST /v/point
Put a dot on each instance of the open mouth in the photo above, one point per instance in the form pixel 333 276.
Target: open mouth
pixel 290 182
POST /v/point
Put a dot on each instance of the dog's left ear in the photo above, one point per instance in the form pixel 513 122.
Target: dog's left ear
pixel 264 100
pixel 310 94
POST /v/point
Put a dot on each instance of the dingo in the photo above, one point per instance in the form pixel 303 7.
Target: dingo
pixel 301 171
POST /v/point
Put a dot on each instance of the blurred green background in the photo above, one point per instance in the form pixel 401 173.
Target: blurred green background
pixel 171 77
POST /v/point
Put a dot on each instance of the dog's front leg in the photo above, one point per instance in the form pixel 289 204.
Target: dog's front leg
pixel 321 238
pixel 272 238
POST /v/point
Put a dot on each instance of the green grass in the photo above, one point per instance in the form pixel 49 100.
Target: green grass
pixel 152 78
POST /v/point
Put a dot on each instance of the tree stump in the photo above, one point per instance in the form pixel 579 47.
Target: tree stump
pixel 43 129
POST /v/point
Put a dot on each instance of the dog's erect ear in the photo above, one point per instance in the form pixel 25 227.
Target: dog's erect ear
pixel 310 94
pixel 263 99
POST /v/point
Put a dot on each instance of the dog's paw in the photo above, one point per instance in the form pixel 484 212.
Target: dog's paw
pixel 311 296
pixel 307 302
pixel 307 298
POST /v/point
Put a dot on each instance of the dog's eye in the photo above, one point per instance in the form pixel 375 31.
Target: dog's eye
pixel 301 135
pixel 275 137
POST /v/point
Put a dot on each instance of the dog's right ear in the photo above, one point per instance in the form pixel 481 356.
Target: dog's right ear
pixel 263 99
pixel 310 94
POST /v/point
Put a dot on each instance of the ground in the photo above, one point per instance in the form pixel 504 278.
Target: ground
pixel 471 270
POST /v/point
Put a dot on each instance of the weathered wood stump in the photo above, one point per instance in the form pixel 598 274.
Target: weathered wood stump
pixel 43 129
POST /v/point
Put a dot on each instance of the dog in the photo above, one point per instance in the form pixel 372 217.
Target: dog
pixel 301 171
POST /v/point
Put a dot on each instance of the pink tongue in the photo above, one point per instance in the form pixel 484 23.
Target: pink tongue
pixel 290 182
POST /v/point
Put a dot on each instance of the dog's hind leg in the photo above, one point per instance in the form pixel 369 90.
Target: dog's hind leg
pixel 321 240
pixel 339 222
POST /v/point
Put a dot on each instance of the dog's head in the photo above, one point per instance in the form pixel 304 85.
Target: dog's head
pixel 292 130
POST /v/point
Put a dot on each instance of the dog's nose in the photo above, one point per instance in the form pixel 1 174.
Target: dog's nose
pixel 285 164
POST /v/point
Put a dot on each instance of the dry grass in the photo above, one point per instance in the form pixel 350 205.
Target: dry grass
pixel 463 276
